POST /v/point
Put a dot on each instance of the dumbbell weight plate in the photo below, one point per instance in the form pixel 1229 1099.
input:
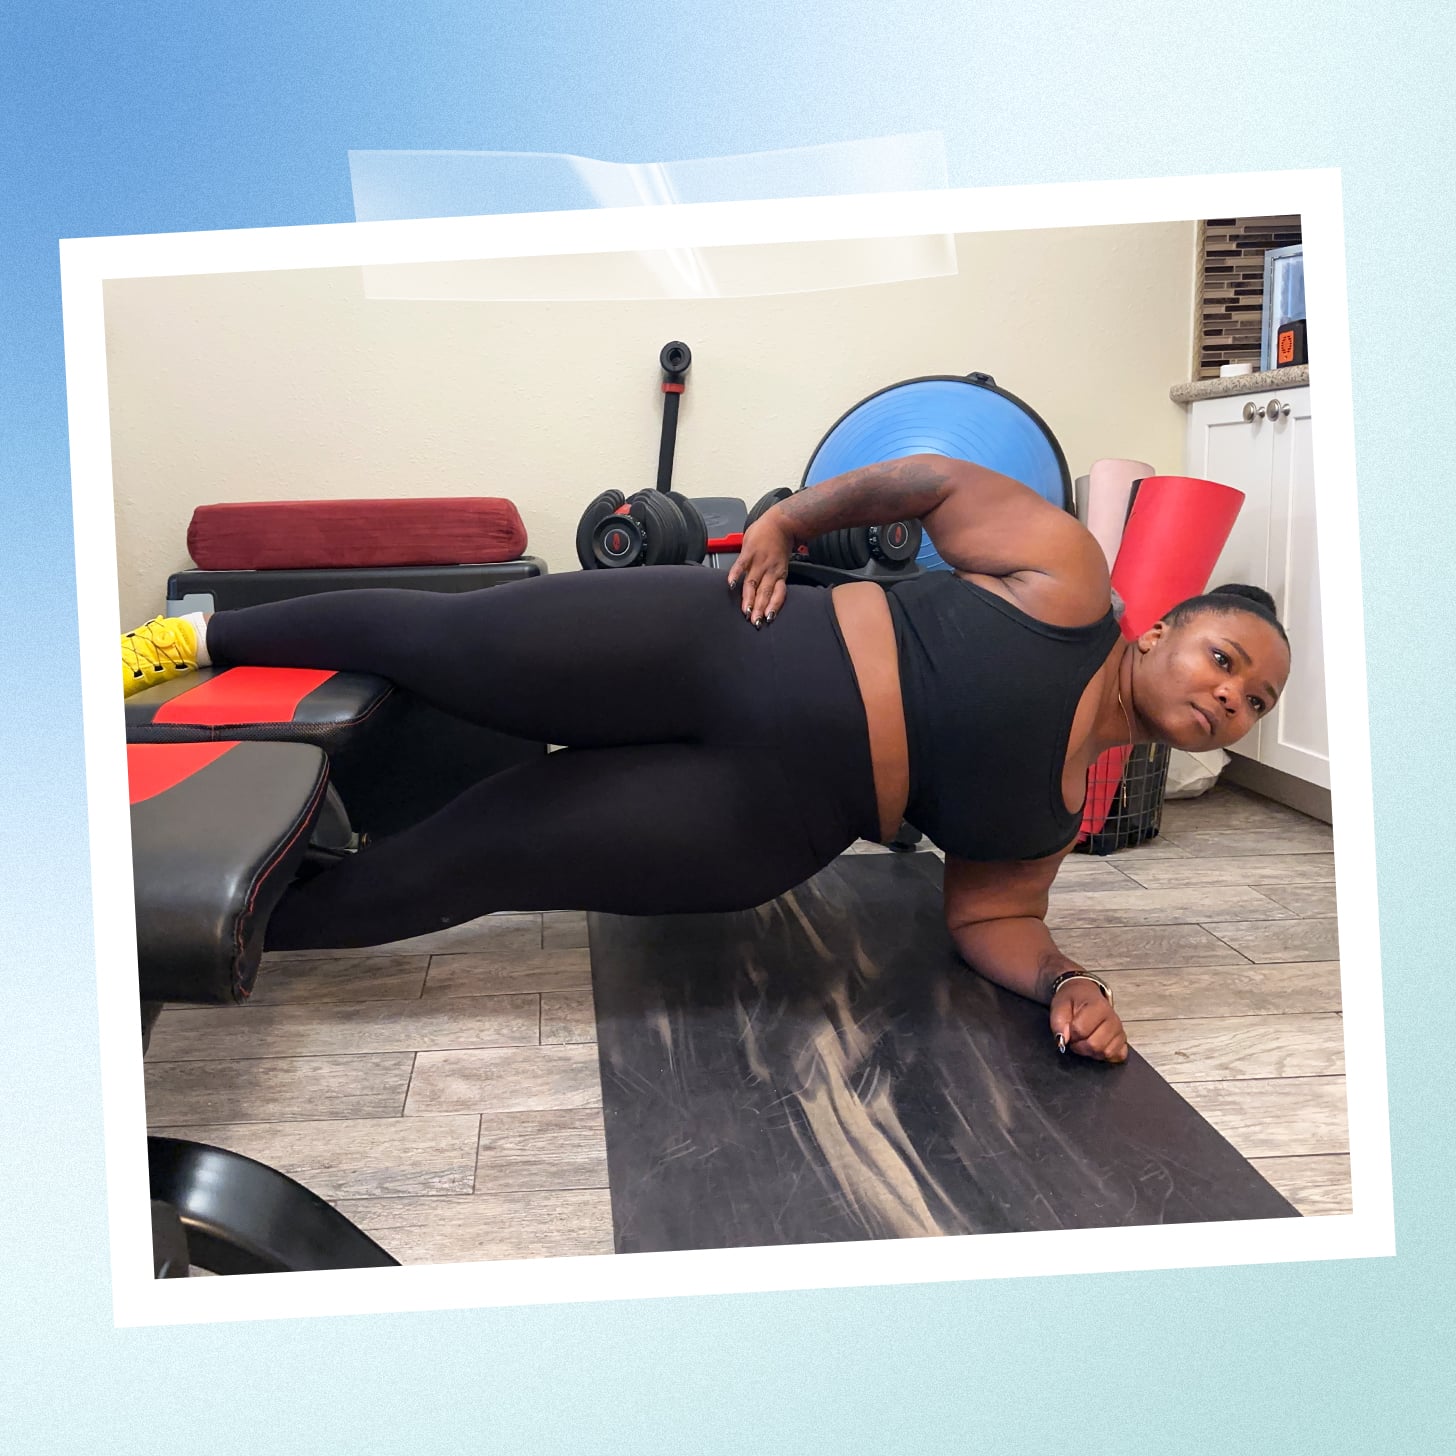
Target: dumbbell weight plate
pixel 597 512
pixel 677 534
pixel 662 525
pixel 696 528
pixel 821 550
pixel 856 547
pixel 828 550
pixel 766 503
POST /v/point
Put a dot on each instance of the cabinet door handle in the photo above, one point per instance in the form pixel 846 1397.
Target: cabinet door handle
pixel 1253 411
pixel 1276 410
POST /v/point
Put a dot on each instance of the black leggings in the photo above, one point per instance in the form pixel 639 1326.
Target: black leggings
pixel 708 766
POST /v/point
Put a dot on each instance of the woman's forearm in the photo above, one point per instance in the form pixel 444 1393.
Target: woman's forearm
pixel 1018 954
pixel 895 490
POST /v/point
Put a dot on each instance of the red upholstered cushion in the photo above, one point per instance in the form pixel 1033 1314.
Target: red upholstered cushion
pixel 153 768
pixel 276 535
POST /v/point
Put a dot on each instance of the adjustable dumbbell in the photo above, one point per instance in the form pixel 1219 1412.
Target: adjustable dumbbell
pixel 650 528
pixel 894 544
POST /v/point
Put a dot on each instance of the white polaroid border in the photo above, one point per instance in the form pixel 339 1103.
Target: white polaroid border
pixel 139 1299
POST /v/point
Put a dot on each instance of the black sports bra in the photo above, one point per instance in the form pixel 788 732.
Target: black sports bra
pixel 989 695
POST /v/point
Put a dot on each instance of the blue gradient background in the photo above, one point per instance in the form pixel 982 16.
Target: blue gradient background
pixel 151 117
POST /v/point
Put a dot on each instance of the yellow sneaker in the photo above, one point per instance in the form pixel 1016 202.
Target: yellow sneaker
pixel 164 648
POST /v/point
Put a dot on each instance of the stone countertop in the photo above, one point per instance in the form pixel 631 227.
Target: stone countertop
pixel 1291 378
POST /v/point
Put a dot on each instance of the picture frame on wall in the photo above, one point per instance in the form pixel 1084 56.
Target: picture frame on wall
pixel 1283 297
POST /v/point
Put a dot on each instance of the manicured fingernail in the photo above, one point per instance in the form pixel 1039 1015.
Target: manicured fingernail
pixel 769 618
pixel 757 623
pixel 1061 1043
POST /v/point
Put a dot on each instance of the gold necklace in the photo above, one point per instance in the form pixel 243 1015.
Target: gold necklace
pixel 1125 718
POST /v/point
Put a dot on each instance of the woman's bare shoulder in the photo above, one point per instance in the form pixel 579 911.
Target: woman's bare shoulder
pixel 1071 587
pixel 1004 536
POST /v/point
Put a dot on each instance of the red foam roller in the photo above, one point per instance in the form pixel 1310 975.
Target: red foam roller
pixel 1102 784
pixel 1177 530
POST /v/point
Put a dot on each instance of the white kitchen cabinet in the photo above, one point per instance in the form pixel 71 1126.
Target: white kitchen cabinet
pixel 1260 444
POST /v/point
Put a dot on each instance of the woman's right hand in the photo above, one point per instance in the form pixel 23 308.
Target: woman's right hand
pixel 763 567
pixel 1084 1018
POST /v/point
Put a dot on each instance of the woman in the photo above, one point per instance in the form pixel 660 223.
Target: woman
pixel 724 746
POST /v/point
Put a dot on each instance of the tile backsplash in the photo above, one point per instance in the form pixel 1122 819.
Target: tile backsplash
pixel 1231 286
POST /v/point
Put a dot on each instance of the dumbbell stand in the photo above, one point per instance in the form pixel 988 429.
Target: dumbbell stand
pixel 243 1217
pixel 675 359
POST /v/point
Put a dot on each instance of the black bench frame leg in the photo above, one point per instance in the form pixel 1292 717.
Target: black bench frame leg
pixel 243 1217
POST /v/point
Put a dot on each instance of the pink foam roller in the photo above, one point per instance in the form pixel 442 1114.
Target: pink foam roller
pixel 1109 484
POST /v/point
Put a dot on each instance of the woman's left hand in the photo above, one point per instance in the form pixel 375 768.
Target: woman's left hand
pixel 763 567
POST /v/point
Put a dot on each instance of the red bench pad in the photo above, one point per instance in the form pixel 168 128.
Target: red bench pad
pixel 279 535
pixel 153 768
pixel 286 703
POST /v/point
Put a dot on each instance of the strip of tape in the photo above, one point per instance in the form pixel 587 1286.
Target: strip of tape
pixel 392 185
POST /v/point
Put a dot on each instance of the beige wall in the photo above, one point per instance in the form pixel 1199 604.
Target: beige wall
pixel 294 385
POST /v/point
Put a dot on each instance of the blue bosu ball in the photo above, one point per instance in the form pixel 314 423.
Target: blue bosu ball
pixel 966 418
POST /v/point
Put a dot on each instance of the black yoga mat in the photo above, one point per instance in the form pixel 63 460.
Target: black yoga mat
pixel 824 1068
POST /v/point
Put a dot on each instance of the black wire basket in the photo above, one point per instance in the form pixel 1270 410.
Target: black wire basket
pixel 1136 814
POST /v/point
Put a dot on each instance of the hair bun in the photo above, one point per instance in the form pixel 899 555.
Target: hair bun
pixel 1255 594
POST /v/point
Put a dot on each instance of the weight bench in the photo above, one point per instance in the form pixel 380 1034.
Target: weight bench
pixel 219 830
pixel 413 758
pixel 333 711
pixel 239 782
pixel 825 1068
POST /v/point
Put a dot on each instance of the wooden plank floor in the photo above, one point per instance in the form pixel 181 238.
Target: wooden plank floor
pixel 444 1091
